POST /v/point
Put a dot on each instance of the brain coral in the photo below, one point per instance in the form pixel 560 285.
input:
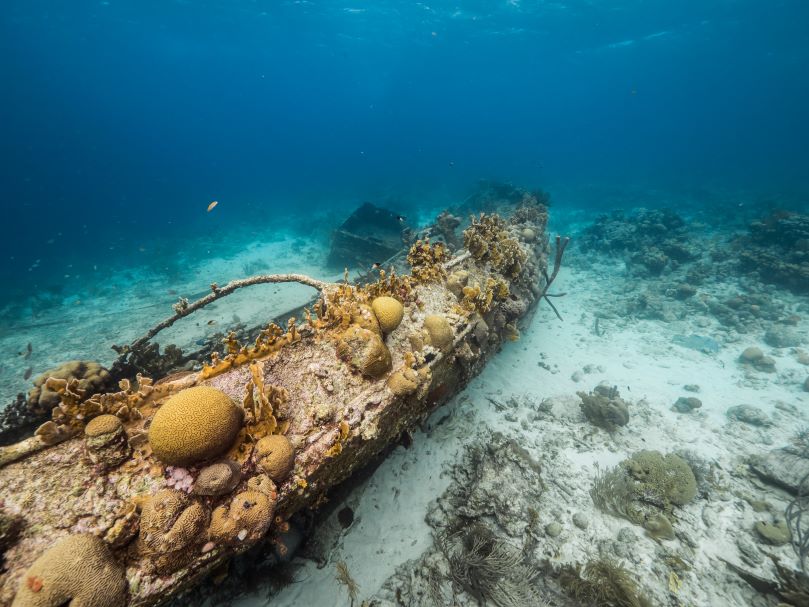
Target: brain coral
pixel 195 424
pixel 246 519
pixel 170 525
pixel 78 570
pixel 440 332
pixel 662 479
pixel 389 312
pixel 276 456
pixel 365 351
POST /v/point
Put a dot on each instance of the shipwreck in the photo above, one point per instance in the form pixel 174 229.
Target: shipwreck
pixel 131 496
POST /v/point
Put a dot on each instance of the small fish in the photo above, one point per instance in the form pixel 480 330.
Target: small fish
pixel 452 163
pixel 211 322
pixel 200 342
pixel 27 374
pixel 401 218
pixel 28 350
pixel 376 266
pixel 212 205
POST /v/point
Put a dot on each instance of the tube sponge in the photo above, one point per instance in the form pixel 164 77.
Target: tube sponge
pixel 76 570
pixel 195 424
pixel 389 312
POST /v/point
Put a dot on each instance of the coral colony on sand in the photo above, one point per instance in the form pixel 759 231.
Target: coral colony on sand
pixel 131 496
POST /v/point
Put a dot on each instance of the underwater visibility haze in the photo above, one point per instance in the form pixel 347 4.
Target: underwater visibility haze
pixel 614 417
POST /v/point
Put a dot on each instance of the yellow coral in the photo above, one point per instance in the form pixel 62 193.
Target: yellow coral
pixel 439 331
pixel 275 455
pixel 426 260
pixel 389 312
pixel 195 424
pixel 103 424
pixel 488 240
pixel 77 570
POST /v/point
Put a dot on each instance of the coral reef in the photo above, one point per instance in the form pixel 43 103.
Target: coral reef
pixel 650 241
pixel 76 570
pixel 389 313
pixel 201 478
pixel 276 456
pixel 446 225
pixel 488 240
pixel 776 250
pixel 194 425
pixel 246 519
pixel 426 260
pixel 604 407
pixel 477 299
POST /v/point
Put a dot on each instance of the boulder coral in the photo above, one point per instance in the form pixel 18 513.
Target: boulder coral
pixel 91 377
pixel 365 351
pixel 245 519
pixel 365 317
pixel 389 312
pixel 77 570
pixel 439 332
pixel 171 524
pixel 275 455
pixel 194 425
pixel 218 479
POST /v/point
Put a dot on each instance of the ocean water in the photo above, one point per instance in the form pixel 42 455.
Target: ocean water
pixel 671 137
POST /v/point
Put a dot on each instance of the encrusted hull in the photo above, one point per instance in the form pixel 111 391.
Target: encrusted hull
pixel 335 417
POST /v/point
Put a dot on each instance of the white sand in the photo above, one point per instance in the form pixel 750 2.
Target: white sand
pixel 640 359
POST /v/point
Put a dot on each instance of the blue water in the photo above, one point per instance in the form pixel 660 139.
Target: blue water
pixel 123 120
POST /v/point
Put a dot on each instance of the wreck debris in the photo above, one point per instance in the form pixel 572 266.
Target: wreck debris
pixel 370 235
pixel 219 292
pixel 295 412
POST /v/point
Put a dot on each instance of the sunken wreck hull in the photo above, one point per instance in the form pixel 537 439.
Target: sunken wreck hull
pixel 336 407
